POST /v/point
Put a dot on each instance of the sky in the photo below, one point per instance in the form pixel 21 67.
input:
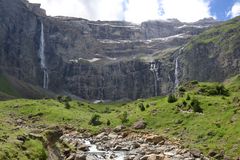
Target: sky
pixel 137 11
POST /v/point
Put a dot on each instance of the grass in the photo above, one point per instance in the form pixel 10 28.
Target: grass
pixel 226 36
pixel 6 87
pixel 217 128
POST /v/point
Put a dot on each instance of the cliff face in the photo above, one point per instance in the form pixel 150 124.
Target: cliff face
pixel 18 41
pixel 105 60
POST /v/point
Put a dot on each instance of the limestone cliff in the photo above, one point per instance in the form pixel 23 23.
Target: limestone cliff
pixel 101 59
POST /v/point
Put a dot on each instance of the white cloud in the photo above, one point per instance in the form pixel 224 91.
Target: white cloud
pixel 186 10
pixel 132 10
pixel 89 9
pixel 235 11
pixel 141 10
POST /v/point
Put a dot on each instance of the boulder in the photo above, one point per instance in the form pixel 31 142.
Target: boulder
pixel 119 128
pixel 140 125
pixel 155 139
pixel 83 147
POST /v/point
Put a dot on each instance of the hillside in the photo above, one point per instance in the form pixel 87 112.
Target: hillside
pixel 214 129
pixel 12 88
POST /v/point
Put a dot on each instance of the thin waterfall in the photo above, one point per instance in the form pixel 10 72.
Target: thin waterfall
pixel 176 73
pixel 154 70
pixel 42 58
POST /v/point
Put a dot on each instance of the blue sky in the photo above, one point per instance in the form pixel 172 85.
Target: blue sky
pixel 138 11
pixel 220 8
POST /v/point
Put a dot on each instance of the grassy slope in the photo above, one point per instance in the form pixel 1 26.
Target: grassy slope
pixel 11 87
pixel 225 35
pixel 217 128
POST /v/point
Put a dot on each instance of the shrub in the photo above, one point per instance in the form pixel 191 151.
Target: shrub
pixel 95 120
pixel 188 97
pixel 182 89
pixel 214 90
pixel 184 103
pixel 67 99
pixel 59 98
pixel 147 106
pixel 124 117
pixel 195 105
pixel 67 105
pixel 108 122
pixel 141 106
pixel 172 98
pixel 194 82
pixel 221 90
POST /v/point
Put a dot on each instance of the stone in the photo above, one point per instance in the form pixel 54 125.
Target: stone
pixel 83 147
pixel 71 157
pixel 140 125
pixel 112 135
pixel 20 121
pixel 21 138
pixel 196 153
pixel 36 136
pixel 119 128
pixel 80 157
pixel 212 153
pixel 155 139
pixel 101 135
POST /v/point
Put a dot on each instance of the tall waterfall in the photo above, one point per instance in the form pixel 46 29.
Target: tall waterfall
pixel 42 58
pixel 176 73
pixel 154 68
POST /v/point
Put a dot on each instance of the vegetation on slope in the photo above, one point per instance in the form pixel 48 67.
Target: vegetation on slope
pixel 11 88
pixel 204 116
pixel 226 36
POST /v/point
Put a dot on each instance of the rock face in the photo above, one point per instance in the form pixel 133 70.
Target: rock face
pixel 101 60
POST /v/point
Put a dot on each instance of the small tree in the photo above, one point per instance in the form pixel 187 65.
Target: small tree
pixel 172 98
pixel 195 104
pixel 67 105
pixel 95 120
pixel 141 106
pixel 108 122
pixel 59 98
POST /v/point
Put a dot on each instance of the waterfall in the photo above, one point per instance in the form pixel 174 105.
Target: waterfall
pixel 42 58
pixel 176 73
pixel 154 69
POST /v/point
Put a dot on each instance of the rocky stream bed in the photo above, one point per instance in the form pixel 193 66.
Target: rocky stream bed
pixel 123 145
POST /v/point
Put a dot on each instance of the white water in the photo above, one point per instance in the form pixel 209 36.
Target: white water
pixel 176 73
pixel 154 69
pixel 98 154
pixel 42 58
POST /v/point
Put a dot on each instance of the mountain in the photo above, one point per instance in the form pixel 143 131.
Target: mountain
pixel 109 60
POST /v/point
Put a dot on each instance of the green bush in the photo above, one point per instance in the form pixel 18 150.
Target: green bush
pixel 108 122
pixel 67 105
pixel 172 98
pixel 59 98
pixel 188 97
pixel 194 82
pixel 124 117
pixel 95 120
pixel 195 105
pixel 214 90
pixel 141 106
pixel 181 89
